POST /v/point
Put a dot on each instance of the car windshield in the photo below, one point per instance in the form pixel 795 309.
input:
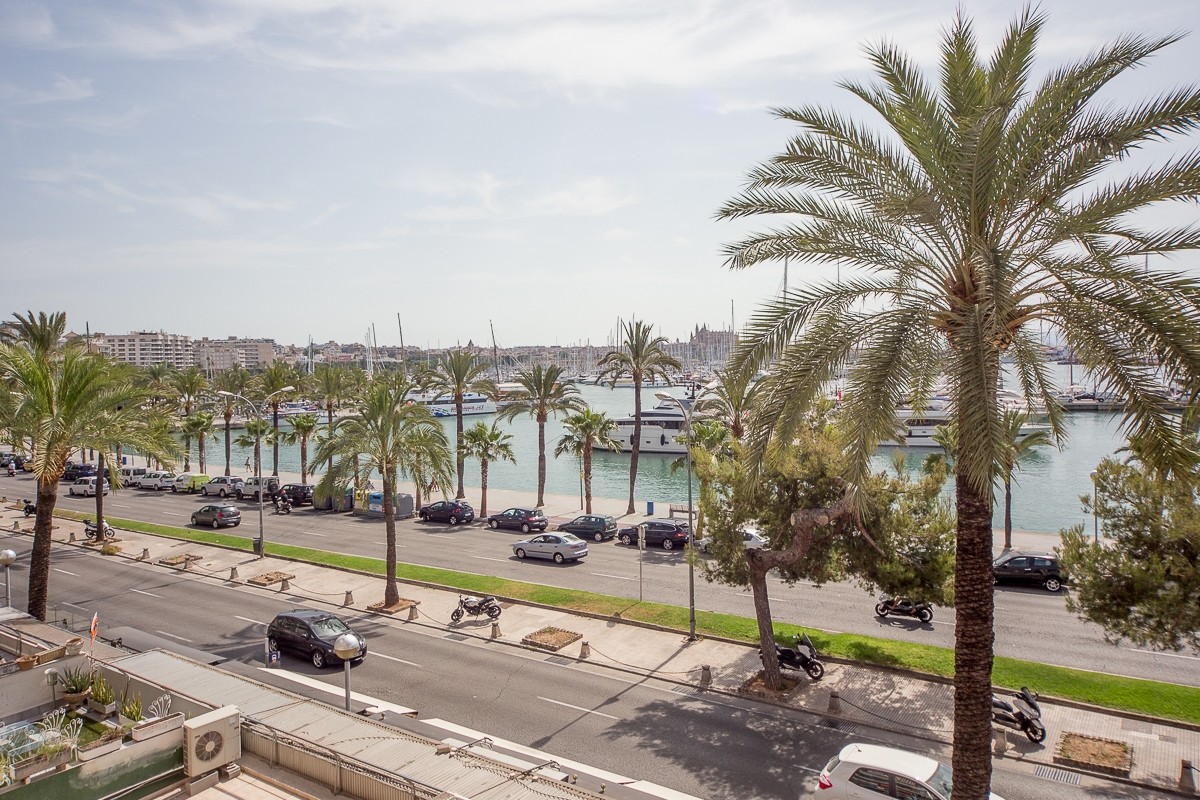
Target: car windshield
pixel 942 781
pixel 570 537
pixel 329 626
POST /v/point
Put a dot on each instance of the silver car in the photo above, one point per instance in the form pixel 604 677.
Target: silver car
pixel 558 546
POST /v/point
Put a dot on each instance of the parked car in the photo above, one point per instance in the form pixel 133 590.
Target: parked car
pixel 1030 569
pixel 74 472
pixel 298 493
pixel 249 487
pixel 86 487
pixel 131 475
pixel 591 526
pixel 221 486
pixel 189 482
pixel 871 771
pixel 452 511
pixel 311 634
pixel 157 480
pixel 522 519
pixel 750 538
pixel 218 515
pixel 558 546
pixel 665 533
pixel 26 465
pixel 5 458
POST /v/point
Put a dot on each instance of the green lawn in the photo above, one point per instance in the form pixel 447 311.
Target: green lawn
pixel 1131 694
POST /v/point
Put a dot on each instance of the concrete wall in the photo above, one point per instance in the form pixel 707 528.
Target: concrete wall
pixel 126 686
pixel 25 695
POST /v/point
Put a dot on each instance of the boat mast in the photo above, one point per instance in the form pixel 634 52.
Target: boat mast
pixel 403 352
pixel 495 353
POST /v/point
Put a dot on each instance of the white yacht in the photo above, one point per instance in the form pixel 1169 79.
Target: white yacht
pixel 443 405
pixel 918 424
pixel 662 429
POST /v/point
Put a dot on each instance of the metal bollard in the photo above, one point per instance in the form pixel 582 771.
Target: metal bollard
pixel 349 601
pixel 495 630
pixel 999 742
pixel 706 675
pixel 835 703
pixel 412 613
pixel 233 573
pixel 187 564
pixel 71 538
pixel 585 650
pixel 284 586
pixel 145 554
pixel 1187 781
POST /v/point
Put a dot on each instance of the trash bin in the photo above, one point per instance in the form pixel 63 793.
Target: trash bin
pixel 650 508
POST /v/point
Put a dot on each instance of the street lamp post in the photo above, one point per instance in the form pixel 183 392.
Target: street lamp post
pixel 346 647
pixel 1095 519
pixel 7 559
pixel 687 425
pixel 260 545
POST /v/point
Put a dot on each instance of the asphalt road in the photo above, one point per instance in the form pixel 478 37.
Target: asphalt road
pixel 712 747
pixel 1030 623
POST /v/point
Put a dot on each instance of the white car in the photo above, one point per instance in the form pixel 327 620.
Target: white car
pixel 86 487
pixel 156 480
pixel 750 538
pixel 868 771
pixel 221 487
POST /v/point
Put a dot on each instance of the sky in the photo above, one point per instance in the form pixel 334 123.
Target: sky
pixel 287 168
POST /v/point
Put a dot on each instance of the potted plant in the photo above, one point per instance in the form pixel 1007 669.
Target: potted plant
pixel 131 711
pixel 26 662
pixel 73 645
pixel 48 756
pixel 77 685
pixel 103 700
pixel 109 742
pixel 160 720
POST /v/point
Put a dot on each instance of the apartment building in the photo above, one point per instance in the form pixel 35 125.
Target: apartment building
pixel 146 348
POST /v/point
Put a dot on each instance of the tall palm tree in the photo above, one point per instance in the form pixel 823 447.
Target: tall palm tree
pixel 730 400
pixel 487 443
pixel 43 334
pixel 157 378
pixel 427 461
pixel 711 440
pixel 256 431
pixel 972 219
pixel 304 426
pixel 235 380
pixel 271 383
pixel 190 387
pixel 379 434
pixel 542 395
pixel 1013 448
pixel 458 372
pixel 197 426
pixel 585 431
pixel 642 358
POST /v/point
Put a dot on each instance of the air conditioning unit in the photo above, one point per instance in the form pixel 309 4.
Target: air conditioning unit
pixel 212 740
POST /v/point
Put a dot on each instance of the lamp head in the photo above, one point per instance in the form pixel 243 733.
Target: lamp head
pixel 288 389
pixel 7 558
pixel 661 395
pixel 346 647
pixel 1094 474
pixel 224 393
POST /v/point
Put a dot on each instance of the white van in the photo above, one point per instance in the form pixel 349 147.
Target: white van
pixel 131 475
pixel 86 487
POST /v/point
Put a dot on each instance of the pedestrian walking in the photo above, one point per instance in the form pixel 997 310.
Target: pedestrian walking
pixel 247 463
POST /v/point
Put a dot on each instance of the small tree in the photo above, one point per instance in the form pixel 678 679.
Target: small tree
pixel 304 426
pixel 197 426
pixel 256 431
pixel 488 444
pixel 542 395
pixel 586 431
pixel 1013 449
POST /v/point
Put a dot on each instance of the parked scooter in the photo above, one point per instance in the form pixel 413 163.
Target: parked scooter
pixel 30 509
pixel 476 606
pixel 89 528
pixel 1021 714
pixel 904 607
pixel 795 658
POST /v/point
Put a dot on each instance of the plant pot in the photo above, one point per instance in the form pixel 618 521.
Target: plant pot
pixel 77 698
pixel 126 722
pixel 97 749
pixel 107 709
pixel 31 766
pixel 155 727
pixel 74 646
pixel 26 662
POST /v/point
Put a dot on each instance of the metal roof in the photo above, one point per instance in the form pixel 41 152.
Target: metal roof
pixel 466 773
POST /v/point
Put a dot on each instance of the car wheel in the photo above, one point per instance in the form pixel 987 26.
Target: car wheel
pixel 221 493
pixel 318 659
pixel 239 522
pixel 493 524
pixel 216 524
pixel 520 553
pixel 239 495
pixel 668 544
pixel 204 491
pixel 558 558
pixel 453 520
pixel 175 489
pixel 273 644
pixel 624 538
pixel 194 520
pixel 525 527
pixel 599 537
pixel 1053 584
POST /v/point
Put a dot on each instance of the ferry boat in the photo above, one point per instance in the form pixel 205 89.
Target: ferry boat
pixel 919 424
pixel 293 409
pixel 662 429
pixel 443 405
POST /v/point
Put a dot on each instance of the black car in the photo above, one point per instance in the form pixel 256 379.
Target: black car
pixel 298 493
pixel 452 511
pixel 521 519
pixel 665 533
pixel 311 634
pixel 591 526
pixel 74 472
pixel 1029 569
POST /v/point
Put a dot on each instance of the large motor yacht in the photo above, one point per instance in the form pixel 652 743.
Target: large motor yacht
pixel 918 424
pixel 443 405
pixel 662 429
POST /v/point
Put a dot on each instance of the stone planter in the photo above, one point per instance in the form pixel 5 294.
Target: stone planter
pixel 126 722
pixel 107 709
pixel 98 748
pixel 77 698
pixel 31 766
pixel 73 646
pixel 154 727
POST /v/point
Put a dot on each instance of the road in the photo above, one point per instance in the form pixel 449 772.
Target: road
pixel 712 747
pixel 1030 623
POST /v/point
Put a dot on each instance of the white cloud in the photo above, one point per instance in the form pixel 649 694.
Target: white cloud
pixel 62 89
pixel 588 197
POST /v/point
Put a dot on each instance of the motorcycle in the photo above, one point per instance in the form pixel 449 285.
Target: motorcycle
pixel 797 659
pixel 89 529
pixel 283 505
pixel 1022 714
pixel 12 471
pixel 30 509
pixel 904 607
pixel 476 606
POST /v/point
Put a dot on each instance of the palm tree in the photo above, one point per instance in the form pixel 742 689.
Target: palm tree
pixel 970 221
pixel 428 461
pixel 271 383
pixel 458 372
pixel 196 427
pixel 235 380
pixel 711 440
pixel 189 385
pixel 488 444
pixel 585 431
pixel 380 434
pixel 730 400
pixel 42 334
pixel 157 378
pixel 257 430
pixel 1013 448
pixel 642 357
pixel 303 428
pixel 542 396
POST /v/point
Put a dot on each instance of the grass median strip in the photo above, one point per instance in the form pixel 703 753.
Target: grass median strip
pixel 1167 700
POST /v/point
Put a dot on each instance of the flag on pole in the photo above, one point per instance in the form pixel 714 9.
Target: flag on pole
pixel 95 620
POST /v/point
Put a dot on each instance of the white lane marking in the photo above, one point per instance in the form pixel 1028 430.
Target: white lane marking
pixel 64 572
pixel 310 533
pixel 321 686
pixel 119 505
pixel 253 621
pixel 1169 655
pixel 577 708
pixel 148 594
pixel 173 514
pixel 173 636
pixel 393 658
pixel 618 577
pixel 385 544
pixel 488 558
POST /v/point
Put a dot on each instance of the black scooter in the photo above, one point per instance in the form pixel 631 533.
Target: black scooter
pixel 1022 714
pixel 795 658
pixel 904 607
pixel 283 505
pixel 89 529
pixel 476 606
pixel 30 509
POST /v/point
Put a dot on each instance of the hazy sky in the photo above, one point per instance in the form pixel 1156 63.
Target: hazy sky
pixel 292 167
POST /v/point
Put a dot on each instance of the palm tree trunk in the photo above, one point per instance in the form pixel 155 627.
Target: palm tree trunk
pixel 200 454
pixel 483 466
pixel 275 440
pixel 541 501
pixel 391 593
pixel 587 475
pixel 304 459
pixel 100 493
pixel 973 641
pixel 458 404
pixel 228 444
pixel 637 438
pixel 329 428
pixel 39 559
pixel 1008 513
pixel 187 453
pixel 766 629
